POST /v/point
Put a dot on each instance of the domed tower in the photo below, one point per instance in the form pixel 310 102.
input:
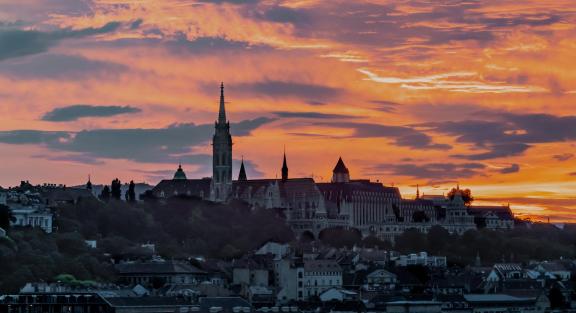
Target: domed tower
pixel 179 174
pixel 221 155
pixel 340 174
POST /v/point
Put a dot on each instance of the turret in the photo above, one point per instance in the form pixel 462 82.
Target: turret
pixel 340 174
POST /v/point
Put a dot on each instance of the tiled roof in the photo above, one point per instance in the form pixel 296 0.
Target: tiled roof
pixel 145 301
pixel 157 268
pixel 503 212
pixel 333 191
pixel 289 189
pixel 195 187
pixel 340 167
pixel 226 303
pixel 321 266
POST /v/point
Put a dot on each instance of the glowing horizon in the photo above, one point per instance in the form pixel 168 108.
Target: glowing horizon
pixel 408 92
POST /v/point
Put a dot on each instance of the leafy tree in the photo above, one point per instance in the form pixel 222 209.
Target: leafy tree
pixel 410 241
pixel 131 193
pixel 105 194
pixel 374 242
pixel 116 189
pixel 556 298
pixel 466 195
pixel 339 237
pixel 420 217
pixel 5 217
pixel 437 238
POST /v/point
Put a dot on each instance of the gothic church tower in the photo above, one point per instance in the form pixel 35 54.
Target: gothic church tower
pixel 221 155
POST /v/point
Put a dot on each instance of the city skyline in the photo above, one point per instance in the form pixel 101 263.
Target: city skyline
pixel 407 92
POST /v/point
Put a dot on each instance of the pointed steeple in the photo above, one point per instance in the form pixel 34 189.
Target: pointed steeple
pixel 242 174
pixel 89 184
pixel 340 174
pixel 222 112
pixel 417 191
pixel 284 167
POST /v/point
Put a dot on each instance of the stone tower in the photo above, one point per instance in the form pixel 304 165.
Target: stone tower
pixel 221 155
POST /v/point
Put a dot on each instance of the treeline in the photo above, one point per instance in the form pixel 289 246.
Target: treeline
pixel 30 255
pixel 179 228
pixel 522 244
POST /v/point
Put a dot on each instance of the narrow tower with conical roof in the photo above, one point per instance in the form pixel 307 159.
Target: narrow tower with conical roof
pixel 340 174
pixel 221 155
pixel 284 168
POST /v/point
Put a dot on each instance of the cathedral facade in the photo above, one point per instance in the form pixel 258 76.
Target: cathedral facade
pixel 310 207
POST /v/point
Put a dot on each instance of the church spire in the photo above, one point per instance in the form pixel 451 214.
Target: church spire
pixel 417 191
pixel 222 112
pixel 242 174
pixel 89 183
pixel 284 167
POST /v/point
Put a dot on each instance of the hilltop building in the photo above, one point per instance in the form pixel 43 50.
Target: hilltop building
pixel 310 207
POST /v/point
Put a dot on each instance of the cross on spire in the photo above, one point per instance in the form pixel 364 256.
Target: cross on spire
pixel 222 112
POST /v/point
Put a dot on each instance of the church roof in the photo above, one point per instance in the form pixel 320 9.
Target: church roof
pixel 331 190
pixel 290 188
pixel 195 187
pixel 168 267
pixel 179 174
pixel 502 211
pixel 340 167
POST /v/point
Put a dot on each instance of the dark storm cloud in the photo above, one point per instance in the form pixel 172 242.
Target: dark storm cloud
pixel 142 145
pixel 75 112
pixel 73 158
pixel 513 168
pixel 390 25
pixel 59 67
pixel 314 102
pixel 182 44
pixel 508 134
pixel 18 137
pixel 280 14
pixel 313 115
pixel 273 88
pixel 385 106
pixel 432 171
pixel 179 44
pixel 231 1
pixel 16 42
pixel 563 157
pixel 496 151
pixel 403 136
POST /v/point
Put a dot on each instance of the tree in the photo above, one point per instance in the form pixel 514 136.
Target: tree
pixel 420 217
pixel 339 237
pixel 411 241
pixel 5 217
pixel 556 298
pixel 466 195
pixel 116 189
pixel 437 238
pixel 131 193
pixel 105 194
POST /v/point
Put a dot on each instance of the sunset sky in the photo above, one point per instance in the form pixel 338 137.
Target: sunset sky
pixel 428 92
